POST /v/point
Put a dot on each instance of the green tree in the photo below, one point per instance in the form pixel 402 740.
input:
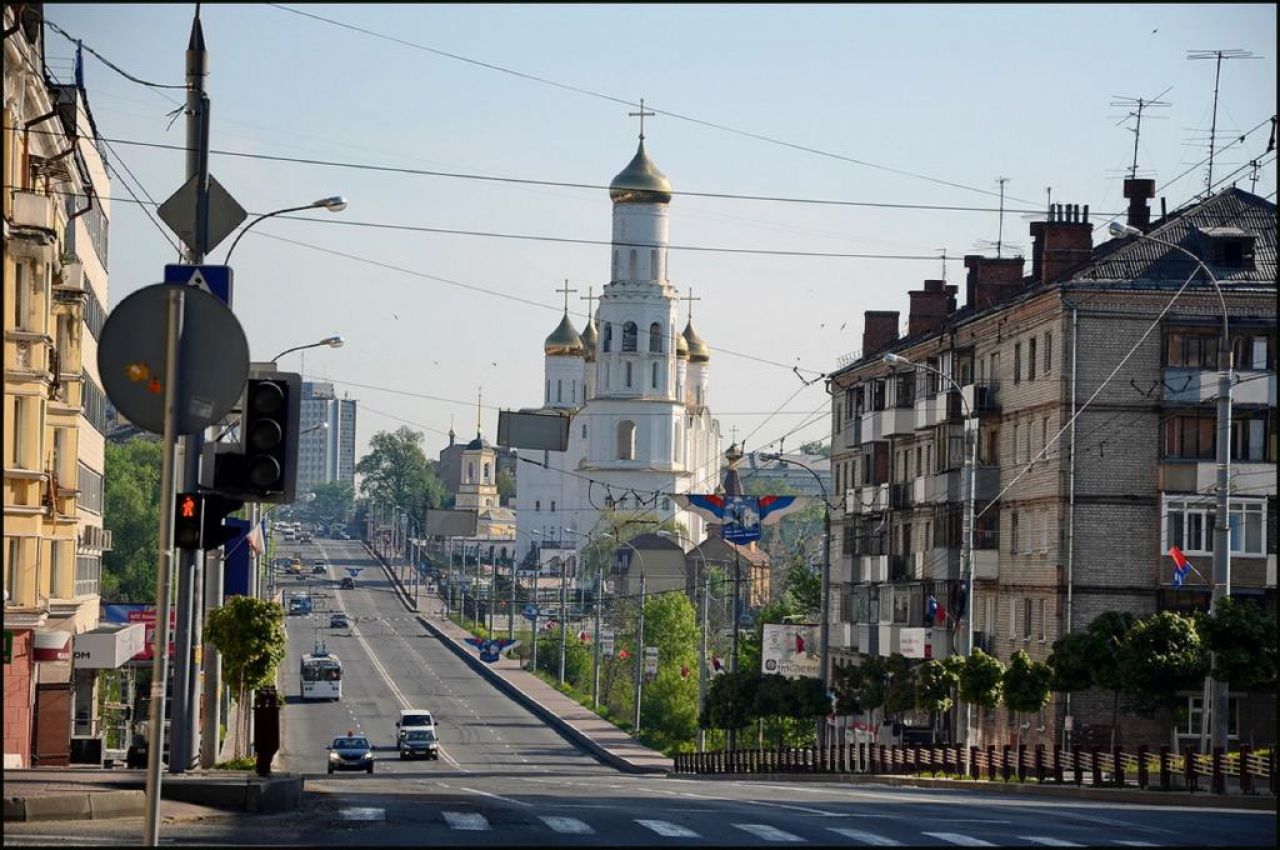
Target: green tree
pixel 131 481
pixel 981 680
pixel 935 686
pixel 1069 660
pixel 249 633
pixel 900 693
pixel 730 700
pixel 1026 686
pixel 1161 655
pixel 861 687
pixel 396 472
pixel 1106 635
pixel 333 501
pixel 1242 638
pixel 669 704
pixel 506 486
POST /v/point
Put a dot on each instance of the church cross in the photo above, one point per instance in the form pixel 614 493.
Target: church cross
pixel 690 298
pixel 641 115
pixel 566 292
pixel 589 299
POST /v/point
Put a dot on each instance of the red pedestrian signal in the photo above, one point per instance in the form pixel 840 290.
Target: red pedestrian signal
pixel 188 506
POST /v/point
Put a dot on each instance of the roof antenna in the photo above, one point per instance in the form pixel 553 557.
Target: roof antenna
pixel 1136 106
pixel 1000 232
pixel 1213 129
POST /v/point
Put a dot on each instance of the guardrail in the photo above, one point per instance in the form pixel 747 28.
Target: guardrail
pixel 1159 769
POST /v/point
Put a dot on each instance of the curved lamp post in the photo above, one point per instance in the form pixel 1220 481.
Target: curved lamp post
pixel 336 203
pixel 702 654
pixel 966 552
pixel 1222 528
pixel 331 341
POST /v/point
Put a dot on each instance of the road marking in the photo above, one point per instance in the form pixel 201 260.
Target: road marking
pixel 496 796
pixel 569 825
pixel 667 829
pixel 866 837
pixel 359 813
pixel 1137 844
pixel 473 821
pixel 768 833
pixel 1049 842
pixel 962 840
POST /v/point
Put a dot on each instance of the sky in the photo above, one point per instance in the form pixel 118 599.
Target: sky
pixel 906 116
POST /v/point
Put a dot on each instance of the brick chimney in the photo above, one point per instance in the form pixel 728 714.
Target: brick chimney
pixel 1062 244
pixel 879 329
pixel 1139 192
pixel 992 280
pixel 929 307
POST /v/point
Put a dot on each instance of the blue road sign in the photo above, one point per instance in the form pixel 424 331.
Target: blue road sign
pixel 212 279
pixel 530 612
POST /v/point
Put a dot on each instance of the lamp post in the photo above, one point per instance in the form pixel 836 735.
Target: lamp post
pixel 966 552
pixel 1219 707
pixel 639 632
pixel 824 618
pixel 702 652
pixel 336 203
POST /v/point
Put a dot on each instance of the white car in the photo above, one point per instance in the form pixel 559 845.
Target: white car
pixel 414 718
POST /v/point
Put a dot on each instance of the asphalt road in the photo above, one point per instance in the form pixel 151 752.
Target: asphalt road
pixel 505 779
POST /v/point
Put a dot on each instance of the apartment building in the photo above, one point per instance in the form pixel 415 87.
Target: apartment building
pixel 1086 387
pixel 326 437
pixel 56 210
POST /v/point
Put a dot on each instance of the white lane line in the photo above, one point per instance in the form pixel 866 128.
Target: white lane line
pixel 360 813
pixel 866 837
pixel 667 829
pixel 958 838
pixel 572 826
pixel 496 797
pixel 1049 842
pixel 472 821
pixel 1137 844
pixel 768 833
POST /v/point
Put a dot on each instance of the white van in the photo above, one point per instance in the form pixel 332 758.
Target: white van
pixel 414 718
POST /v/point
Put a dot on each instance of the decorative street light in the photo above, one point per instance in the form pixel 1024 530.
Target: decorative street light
pixel 966 552
pixel 1218 707
pixel 336 203
pixel 702 654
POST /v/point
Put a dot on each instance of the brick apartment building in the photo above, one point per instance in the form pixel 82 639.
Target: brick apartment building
pixel 1073 517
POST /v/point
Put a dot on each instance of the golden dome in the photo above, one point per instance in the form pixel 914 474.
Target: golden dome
pixel 698 350
pixel 640 182
pixel 564 340
pixel 682 347
pixel 589 339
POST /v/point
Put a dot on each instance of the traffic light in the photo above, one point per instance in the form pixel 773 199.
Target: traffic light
pixel 216 508
pixel 187 515
pixel 269 433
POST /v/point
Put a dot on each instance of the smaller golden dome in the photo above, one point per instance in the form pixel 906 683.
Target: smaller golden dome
pixel 589 339
pixel 698 350
pixel 564 340
pixel 682 347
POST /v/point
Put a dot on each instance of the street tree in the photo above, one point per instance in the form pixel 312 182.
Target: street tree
pixel 981 680
pixel 397 473
pixel 131 482
pixel 333 501
pixel 900 693
pixel 249 633
pixel 1107 634
pixel 669 704
pixel 1026 686
pixel 935 687
pixel 1161 655
pixel 1069 660
pixel 1242 638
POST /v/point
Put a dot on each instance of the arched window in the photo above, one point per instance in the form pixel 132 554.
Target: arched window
pixel 548 390
pixel 629 336
pixel 631 265
pixel 559 390
pixel 678 449
pixel 628 367
pixel 626 440
pixel 655 338
pixel 471 472
pixel 486 473
pixel 608 338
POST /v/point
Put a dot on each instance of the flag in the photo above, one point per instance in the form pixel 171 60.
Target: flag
pixel 799 643
pixel 1181 566
pixel 935 610
pixel 623 654
pixel 774 508
pixel 684 671
pixel 706 505
pixel 254 539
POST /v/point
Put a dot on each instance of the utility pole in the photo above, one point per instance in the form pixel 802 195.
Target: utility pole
pixel 737 616
pixel 511 611
pixel 639 657
pixel 702 658
pixel 564 624
pixel 595 655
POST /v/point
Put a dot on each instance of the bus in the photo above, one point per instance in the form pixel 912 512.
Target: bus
pixel 321 675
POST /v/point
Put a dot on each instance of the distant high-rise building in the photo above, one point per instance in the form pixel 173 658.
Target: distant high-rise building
pixel 326 437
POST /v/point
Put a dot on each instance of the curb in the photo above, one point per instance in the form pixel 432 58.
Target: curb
pixel 97 805
pixel 234 792
pixel 1123 796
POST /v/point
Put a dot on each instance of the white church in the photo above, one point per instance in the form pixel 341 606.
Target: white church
pixel 637 390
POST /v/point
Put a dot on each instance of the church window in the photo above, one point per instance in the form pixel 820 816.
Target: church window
pixel 631 265
pixel 559 390
pixel 698 394
pixel 573 391
pixel 488 503
pixel 653 264
pixel 678 447
pixel 548 390
pixel 486 473
pixel 616 265
pixel 654 380
pixel 608 336
pixel 537 505
pixel 584 430
pixel 553 506
pixel 629 336
pixel 655 338
pixel 626 440
pixel 628 365
pixel 666 503
pixel 471 472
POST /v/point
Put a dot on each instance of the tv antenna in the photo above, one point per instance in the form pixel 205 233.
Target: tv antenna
pixel 1219 55
pixel 986 244
pixel 1136 106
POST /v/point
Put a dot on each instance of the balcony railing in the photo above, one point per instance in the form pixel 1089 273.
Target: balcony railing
pixel 898 568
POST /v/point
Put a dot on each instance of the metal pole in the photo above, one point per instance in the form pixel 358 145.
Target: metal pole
pixel 702 657
pixel 595 655
pixel 211 727
pixel 737 616
pixel 511 611
pixel 160 649
pixel 564 624
pixel 639 657
pixel 1222 529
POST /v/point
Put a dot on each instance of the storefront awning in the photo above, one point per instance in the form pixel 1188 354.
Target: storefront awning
pixel 52 645
pixel 108 647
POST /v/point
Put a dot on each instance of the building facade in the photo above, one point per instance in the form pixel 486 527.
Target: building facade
pixel 1091 459
pixel 326 437
pixel 56 211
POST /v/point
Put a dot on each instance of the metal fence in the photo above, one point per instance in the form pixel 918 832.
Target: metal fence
pixel 1244 771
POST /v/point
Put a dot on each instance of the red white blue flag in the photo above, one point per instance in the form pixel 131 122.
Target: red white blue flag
pixel 1181 566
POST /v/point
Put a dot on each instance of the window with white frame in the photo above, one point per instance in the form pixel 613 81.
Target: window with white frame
pixel 1045 523
pixel 1040 631
pixel 1189 524
pixel 993 616
pixel 1027 604
pixel 1190 727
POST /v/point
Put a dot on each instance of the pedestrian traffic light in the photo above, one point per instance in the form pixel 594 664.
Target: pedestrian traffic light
pixel 269 431
pixel 216 508
pixel 187 511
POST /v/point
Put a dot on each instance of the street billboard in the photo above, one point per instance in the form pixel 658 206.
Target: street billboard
pixel 451 523
pixel 791 650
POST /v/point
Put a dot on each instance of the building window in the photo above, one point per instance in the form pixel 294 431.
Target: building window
pixel 537 505
pixel 1044 531
pixel 1251 353
pixel 13 563
pixel 1189 524
pixel 584 430
pixel 21 428
pixel 608 337
pixel 626 440
pixel 1031 359
pixel 1044 434
pixel 654 377
pixel 1189 350
pixel 1017 442
pixel 1190 436
pixel 1026 617
pixel 1048 353
pixel 653 264
pixel 553 506
pixel 1253 436
pixel 993 616
pixel 1013 533
pixel 1191 726
pixel 485 469
pixel 655 338
pixel 629 336
pixel 559 390
pixel 548 396
pixel 22 301
pixel 631 265
pixel 56 551
pixel 628 373
pixel 471 472
pixel 88 575
pixel 1040 631
pixel 1017 362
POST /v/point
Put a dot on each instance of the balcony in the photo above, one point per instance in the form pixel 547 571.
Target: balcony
pixel 32 210
pixel 852 433
pixel 842 636
pixel 900 495
pixel 1202 477
pixel 898 568
pixel 890 422
pixel 875 568
pixel 943 564
pixel 982 398
pixel 874 497
pixel 1200 386
pixel 930 410
pixel 845 570
pixel 986 564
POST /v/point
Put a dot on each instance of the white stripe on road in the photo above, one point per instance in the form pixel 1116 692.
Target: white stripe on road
pixel 958 838
pixel 568 825
pixel 363 814
pixel 667 829
pixel 496 797
pixel 1137 844
pixel 1049 842
pixel 768 833
pixel 473 821
pixel 866 837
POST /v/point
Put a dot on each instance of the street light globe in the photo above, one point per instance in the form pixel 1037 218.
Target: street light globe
pixel 895 359
pixel 1119 228
pixel 333 342
pixel 335 203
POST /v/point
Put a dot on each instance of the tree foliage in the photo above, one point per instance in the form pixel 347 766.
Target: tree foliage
pixel 981 680
pixel 1026 685
pixel 669 707
pixel 249 633
pixel 1243 639
pixel 333 501
pixel 1161 655
pixel 131 481
pixel 396 472
pixel 1069 661
pixel 935 684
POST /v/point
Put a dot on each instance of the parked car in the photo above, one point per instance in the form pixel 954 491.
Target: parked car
pixel 350 752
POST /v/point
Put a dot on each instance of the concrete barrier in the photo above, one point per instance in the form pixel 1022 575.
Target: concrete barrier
pixel 117 804
pixel 56 807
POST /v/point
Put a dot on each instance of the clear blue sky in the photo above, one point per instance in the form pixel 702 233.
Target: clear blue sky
pixel 894 104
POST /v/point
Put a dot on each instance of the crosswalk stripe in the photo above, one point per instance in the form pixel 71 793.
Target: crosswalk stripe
pixel 473 821
pixel 959 838
pixel 768 833
pixel 1049 842
pixel 667 829
pixel 570 825
pixel 866 837
pixel 1137 844
pixel 363 813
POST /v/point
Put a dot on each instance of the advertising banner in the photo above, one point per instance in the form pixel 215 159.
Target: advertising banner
pixel 606 644
pixel 650 663
pixel 131 612
pixel 790 650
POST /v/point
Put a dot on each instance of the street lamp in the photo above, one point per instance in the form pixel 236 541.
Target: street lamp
pixel 1222 529
pixel 334 341
pixel 702 655
pixel 639 631
pixel 824 618
pixel 966 552
pixel 336 203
